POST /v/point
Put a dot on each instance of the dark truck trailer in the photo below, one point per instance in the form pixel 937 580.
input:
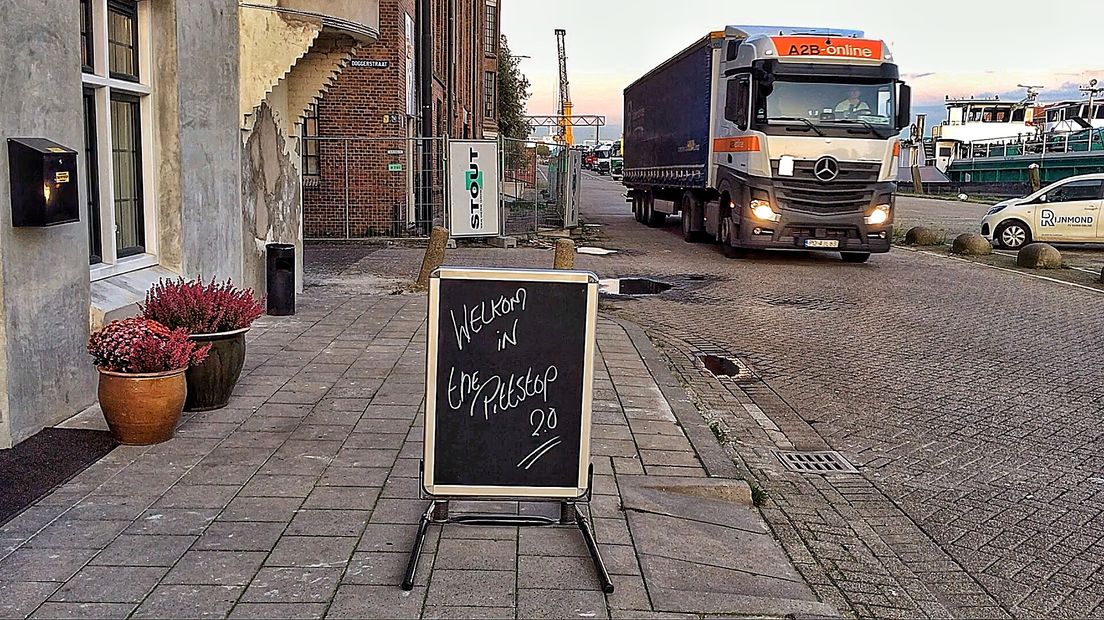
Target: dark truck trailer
pixel 667 123
pixel 770 138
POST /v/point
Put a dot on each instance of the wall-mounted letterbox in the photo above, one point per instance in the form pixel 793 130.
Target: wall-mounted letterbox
pixel 43 176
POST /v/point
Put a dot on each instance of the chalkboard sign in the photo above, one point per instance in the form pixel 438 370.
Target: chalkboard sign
pixel 508 383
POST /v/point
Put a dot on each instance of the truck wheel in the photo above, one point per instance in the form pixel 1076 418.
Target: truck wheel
pixel 645 211
pixel 855 257
pixel 636 206
pixel 723 235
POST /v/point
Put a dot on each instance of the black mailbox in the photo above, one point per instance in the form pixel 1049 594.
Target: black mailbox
pixel 43 176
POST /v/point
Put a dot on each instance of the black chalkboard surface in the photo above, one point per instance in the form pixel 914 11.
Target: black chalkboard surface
pixel 509 373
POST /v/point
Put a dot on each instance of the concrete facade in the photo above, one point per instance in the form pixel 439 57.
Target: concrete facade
pixel 43 271
pixel 223 87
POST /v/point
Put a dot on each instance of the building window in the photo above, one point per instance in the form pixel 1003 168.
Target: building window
pixel 126 164
pixel 86 35
pixel 95 246
pixel 312 164
pixel 122 39
pixel 489 98
pixel 117 135
pixel 490 29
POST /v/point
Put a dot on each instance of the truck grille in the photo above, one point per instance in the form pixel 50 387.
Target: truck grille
pixel 851 191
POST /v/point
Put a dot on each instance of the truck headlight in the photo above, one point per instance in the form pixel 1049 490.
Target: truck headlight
pixel 762 210
pixel 880 215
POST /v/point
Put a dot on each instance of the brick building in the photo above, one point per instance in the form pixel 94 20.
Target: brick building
pixel 362 146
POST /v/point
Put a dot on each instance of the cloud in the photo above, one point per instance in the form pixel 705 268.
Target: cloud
pixel 932 87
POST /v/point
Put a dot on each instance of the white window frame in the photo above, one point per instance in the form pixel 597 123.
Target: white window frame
pixel 103 85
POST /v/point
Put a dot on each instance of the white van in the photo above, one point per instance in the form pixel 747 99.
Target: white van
pixel 1067 211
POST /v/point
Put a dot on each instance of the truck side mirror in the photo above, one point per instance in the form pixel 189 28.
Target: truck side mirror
pixel 904 107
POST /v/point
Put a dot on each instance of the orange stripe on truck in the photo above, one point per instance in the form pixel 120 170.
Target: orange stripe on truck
pixel 742 144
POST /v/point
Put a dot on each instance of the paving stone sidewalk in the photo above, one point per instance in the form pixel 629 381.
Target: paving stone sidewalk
pixel 301 499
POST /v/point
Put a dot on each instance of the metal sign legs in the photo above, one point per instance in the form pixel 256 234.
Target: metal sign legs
pixel 438 513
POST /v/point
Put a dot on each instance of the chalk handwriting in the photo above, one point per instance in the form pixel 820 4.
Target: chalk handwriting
pixel 541 450
pixel 474 319
pixel 496 394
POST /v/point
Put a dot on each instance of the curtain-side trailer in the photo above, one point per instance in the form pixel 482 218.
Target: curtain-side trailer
pixel 770 138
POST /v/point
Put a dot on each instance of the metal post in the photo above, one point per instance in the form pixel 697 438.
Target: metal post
pixel 345 142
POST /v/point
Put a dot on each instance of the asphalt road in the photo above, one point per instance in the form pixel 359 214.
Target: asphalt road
pixel 969 398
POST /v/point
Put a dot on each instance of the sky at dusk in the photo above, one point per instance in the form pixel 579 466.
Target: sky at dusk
pixel 949 47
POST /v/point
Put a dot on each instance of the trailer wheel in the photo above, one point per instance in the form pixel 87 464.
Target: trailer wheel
pixel 653 218
pixel 636 206
pixel 690 214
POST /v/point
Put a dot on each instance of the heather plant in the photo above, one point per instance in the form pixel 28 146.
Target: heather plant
pixel 200 308
pixel 139 345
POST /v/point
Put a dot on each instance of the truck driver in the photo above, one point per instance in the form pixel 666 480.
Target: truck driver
pixel 852 105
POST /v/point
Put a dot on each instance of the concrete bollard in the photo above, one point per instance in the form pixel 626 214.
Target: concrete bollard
pixel 434 255
pixel 920 235
pixel 971 244
pixel 565 254
pixel 1039 256
pixel 1033 174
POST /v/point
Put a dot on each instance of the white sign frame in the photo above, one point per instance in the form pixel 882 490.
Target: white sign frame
pixel 471 216
pixel 433 333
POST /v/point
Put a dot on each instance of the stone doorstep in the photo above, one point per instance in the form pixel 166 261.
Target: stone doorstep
pixel 91 419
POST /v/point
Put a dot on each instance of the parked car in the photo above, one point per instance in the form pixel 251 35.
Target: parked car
pixel 1067 211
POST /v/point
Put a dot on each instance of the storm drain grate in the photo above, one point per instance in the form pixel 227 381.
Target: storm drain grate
pixel 828 462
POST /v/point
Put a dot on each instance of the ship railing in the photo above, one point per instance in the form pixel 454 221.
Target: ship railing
pixel 1044 144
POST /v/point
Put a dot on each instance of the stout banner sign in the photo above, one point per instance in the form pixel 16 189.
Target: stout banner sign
pixel 473 188
pixel 508 383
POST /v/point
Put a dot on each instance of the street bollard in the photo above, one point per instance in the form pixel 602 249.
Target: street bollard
pixel 565 254
pixel 1033 174
pixel 434 255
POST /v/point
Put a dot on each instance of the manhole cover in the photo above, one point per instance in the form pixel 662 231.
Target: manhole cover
pixel 828 462
pixel 633 286
pixel 721 366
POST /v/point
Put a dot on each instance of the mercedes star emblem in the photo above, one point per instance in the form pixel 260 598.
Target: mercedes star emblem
pixel 826 168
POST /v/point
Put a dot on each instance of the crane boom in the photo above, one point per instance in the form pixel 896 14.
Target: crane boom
pixel 565 132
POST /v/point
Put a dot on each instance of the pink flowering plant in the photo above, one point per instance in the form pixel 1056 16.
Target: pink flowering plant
pixel 200 308
pixel 139 345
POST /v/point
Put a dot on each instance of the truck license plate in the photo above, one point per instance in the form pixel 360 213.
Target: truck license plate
pixel 822 243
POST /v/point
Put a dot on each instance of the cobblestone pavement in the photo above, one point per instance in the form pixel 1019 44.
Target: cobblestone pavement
pixel 301 499
pixel 968 398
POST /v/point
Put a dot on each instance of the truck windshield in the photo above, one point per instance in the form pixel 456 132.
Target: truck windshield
pixel 827 103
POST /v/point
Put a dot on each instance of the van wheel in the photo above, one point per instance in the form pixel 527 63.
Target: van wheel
pixel 1013 235
pixel 855 257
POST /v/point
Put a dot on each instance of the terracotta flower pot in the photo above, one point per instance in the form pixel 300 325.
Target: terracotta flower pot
pixel 211 383
pixel 142 409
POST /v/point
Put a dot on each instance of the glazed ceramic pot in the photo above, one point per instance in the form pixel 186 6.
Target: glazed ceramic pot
pixel 211 383
pixel 142 408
